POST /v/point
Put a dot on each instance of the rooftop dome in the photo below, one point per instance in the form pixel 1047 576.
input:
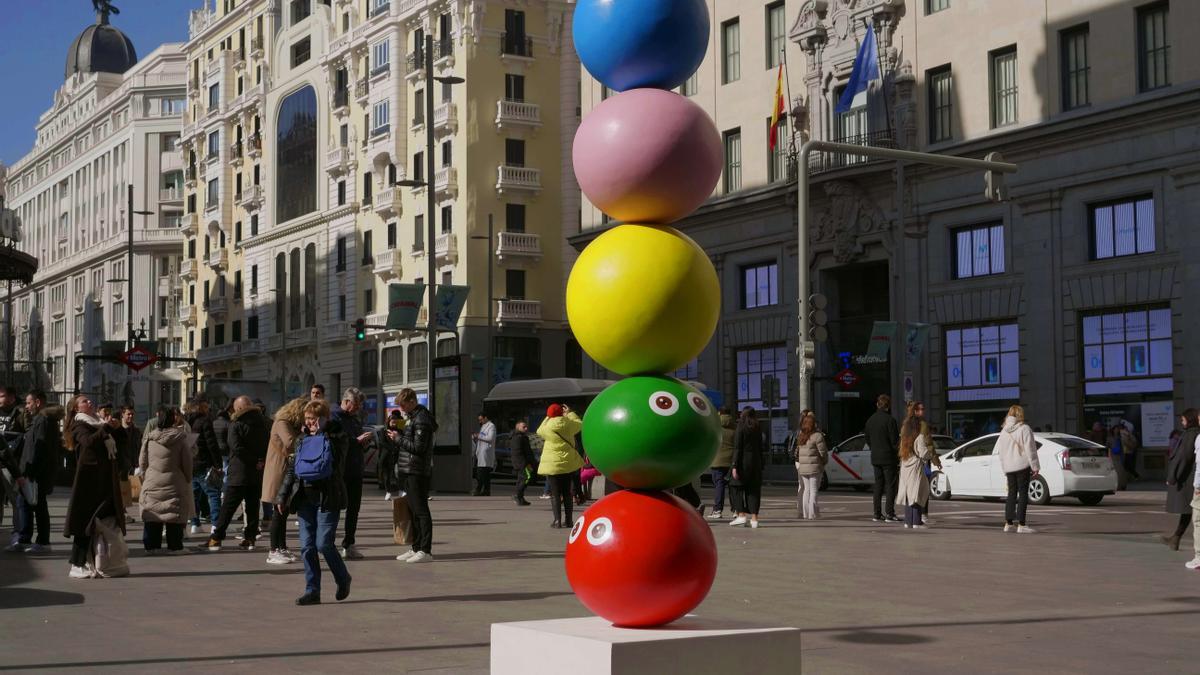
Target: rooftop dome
pixel 100 48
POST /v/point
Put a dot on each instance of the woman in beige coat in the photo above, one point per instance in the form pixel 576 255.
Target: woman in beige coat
pixel 165 466
pixel 916 448
pixel 811 455
pixel 280 449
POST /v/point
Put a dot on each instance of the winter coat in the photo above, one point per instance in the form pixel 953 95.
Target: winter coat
pixel 329 494
pixel 1016 447
pixel 724 458
pixel 166 464
pixel 812 456
pixel 208 451
pixel 520 452
pixel 1181 473
pixel 914 485
pixel 749 449
pixel 281 445
pixel 559 455
pixel 883 436
pixel 220 428
pixel 352 426
pixel 415 454
pixel 42 450
pixel 12 430
pixel 249 435
pixel 129 446
pixel 96 484
pixel 485 446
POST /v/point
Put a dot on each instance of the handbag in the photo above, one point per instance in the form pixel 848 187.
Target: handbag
pixel 214 478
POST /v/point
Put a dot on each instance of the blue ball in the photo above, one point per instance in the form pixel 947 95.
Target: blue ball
pixel 630 44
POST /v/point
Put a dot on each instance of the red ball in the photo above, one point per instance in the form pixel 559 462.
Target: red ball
pixel 641 558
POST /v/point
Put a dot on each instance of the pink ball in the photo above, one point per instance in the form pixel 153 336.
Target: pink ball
pixel 647 156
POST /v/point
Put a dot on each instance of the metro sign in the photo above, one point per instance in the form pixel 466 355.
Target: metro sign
pixel 847 378
pixel 138 358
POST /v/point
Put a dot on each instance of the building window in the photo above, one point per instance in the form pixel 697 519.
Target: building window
pixel 368 301
pixel 691 86
pixel 341 193
pixel 252 328
pixel 852 127
pixel 978 251
pixel 301 51
pixel 526 355
pixel 214 144
pixel 368 368
pixel 418 354
pixel 300 10
pixel 1154 67
pixel 237 332
pixel 1127 351
pixel 254 224
pixel 514 217
pixel 341 255
pixel 419 233
pixel 296 156
pixel 280 291
pixel 213 194
pixel 310 286
pixel 1074 58
pixel 214 97
pixel 731 51
pixel 733 160
pixel 776 33
pixel 982 363
pixel 756 363
pixel 941 104
pixel 514 87
pixel 760 285
pixel 341 310
pixel 381 56
pixel 391 236
pixel 393 365
pixel 514 152
pixel 418 170
pixel 933 6
pixel 366 196
pixel 447 219
pixel 1121 228
pixel 254 280
pixel 379 117
pixel 778 155
pixel 1003 71
pixel 368 254
pixel 688 371
pixel 514 284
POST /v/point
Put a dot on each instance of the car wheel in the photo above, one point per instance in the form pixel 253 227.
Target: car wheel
pixel 824 483
pixel 939 487
pixel 861 488
pixel 1090 499
pixel 1039 492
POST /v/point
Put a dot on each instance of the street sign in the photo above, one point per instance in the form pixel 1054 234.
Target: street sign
pixel 847 378
pixel 138 358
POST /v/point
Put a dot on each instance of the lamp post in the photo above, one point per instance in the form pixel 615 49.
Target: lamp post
pixel 430 204
pixel 130 335
pixel 281 299
pixel 487 377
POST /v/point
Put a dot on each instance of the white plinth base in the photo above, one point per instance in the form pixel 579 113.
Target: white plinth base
pixel 690 646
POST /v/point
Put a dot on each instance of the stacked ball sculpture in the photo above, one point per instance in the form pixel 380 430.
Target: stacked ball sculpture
pixel 643 299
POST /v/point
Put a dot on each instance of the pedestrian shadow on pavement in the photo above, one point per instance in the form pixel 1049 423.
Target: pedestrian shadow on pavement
pixel 876 638
pixel 24 598
pixel 483 555
pixel 480 597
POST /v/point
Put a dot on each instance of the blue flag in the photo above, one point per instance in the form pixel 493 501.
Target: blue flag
pixel 866 69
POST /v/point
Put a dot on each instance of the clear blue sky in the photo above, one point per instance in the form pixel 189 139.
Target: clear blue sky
pixel 34 37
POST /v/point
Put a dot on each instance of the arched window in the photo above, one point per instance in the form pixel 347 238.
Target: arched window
pixel 296 158
pixel 310 286
pixel 294 291
pixel 280 290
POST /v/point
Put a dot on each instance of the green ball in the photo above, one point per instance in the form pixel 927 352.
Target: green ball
pixel 651 432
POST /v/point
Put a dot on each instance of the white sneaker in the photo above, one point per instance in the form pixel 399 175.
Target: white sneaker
pixel 351 553
pixel 39 549
pixel 544 497
pixel 926 521
pixel 195 529
pixel 920 527
pixel 1023 529
pixel 277 558
pixel 754 524
pixel 716 515
pixel 291 557
pixel 403 557
pixel 420 557
pixel 78 572
pixel 1193 564
pixel 16 547
pixel 1009 527
pixel 740 520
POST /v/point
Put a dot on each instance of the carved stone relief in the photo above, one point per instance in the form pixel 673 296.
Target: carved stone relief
pixel 850 215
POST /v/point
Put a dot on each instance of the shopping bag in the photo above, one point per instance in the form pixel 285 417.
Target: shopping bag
pixel 135 487
pixel 401 522
pixel 110 554
pixel 127 498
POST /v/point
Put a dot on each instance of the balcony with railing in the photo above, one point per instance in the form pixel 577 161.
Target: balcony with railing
pixel 337 161
pixel 218 259
pixel 516 44
pixel 189 177
pixel 235 153
pixel 254 145
pixel 216 306
pixel 518 179
pixel 518 311
pixel 170 195
pixel 188 269
pixel 445 119
pixel 252 197
pixel 302 337
pixel 256 47
pixel 361 89
pixel 170 160
pixel 187 314
pixel 446 249
pixel 388 201
pixel 252 347
pixel 518 248
pixel 341 99
pixel 225 352
pixel 416 65
pixel 189 225
pixel 170 221
pixel 823 162
pixel 388 264
pixel 380 9
pixel 443 53
pixel 338 331
pixel 517 115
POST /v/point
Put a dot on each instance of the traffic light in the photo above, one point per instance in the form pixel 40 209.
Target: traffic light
pixel 817 318
pixel 360 330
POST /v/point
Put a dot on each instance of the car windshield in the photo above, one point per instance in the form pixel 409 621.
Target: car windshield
pixel 943 444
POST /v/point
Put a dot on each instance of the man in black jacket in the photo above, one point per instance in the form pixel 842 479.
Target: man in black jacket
pixel 208 456
pixel 11 433
pixel 249 434
pixel 883 437
pixel 521 455
pixel 347 417
pixel 40 455
pixel 415 462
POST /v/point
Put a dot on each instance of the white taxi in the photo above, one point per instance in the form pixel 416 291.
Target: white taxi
pixel 850 462
pixel 1070 467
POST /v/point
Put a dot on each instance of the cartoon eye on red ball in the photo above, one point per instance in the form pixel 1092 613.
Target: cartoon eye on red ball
pixel 641 558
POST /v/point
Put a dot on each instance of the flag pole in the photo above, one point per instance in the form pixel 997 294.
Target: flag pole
pixel 787 80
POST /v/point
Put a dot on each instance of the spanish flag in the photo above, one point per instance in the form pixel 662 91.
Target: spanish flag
pixel 777 111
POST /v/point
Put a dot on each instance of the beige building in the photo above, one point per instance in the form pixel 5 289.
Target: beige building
pixel 114 123
pixel 1068 298
pixel 321 228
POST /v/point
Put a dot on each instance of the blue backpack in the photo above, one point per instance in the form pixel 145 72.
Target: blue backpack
pixel 314 459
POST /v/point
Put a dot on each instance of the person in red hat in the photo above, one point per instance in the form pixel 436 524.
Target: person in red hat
pixel 560 458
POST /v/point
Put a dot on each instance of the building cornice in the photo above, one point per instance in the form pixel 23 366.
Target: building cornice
pixel 295 226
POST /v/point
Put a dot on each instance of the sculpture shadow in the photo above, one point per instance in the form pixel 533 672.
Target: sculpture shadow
pixel 25 598
pixel 878 638
pixel 478 597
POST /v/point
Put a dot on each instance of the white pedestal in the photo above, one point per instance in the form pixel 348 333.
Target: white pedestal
pixel 690 646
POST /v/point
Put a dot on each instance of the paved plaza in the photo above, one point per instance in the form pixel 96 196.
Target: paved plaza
pixel 1092 592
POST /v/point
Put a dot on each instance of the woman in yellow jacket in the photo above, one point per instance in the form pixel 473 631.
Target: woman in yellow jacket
pixel 560 459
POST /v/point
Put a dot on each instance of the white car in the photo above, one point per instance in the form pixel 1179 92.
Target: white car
pixel 1070 467
pixel 850 462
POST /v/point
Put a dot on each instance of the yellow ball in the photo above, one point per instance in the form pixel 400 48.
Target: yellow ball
pixel 643 299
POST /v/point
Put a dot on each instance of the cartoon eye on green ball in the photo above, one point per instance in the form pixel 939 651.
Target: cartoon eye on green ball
pixel 651 432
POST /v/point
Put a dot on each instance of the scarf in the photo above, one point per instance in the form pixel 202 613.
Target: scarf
pixel 109 443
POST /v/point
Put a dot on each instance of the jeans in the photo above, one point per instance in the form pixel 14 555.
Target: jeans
pixel 201 491
pixel 353 504
pixel 483 481
pixel 417 488
pixel 31 513
pixel 806 495
pixel 152 536
pixel 720 479
pixel 234 496
pixel 886 485
pixel 560 497
pixel 1018 496
pixel 912 515
pixel 318 528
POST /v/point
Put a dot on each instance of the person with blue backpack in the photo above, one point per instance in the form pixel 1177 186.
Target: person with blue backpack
pixel 314 489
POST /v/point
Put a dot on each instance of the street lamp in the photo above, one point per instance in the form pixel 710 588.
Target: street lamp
pixel 430 201
pixel 281 300
pixel 487 377
pixel 129 266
